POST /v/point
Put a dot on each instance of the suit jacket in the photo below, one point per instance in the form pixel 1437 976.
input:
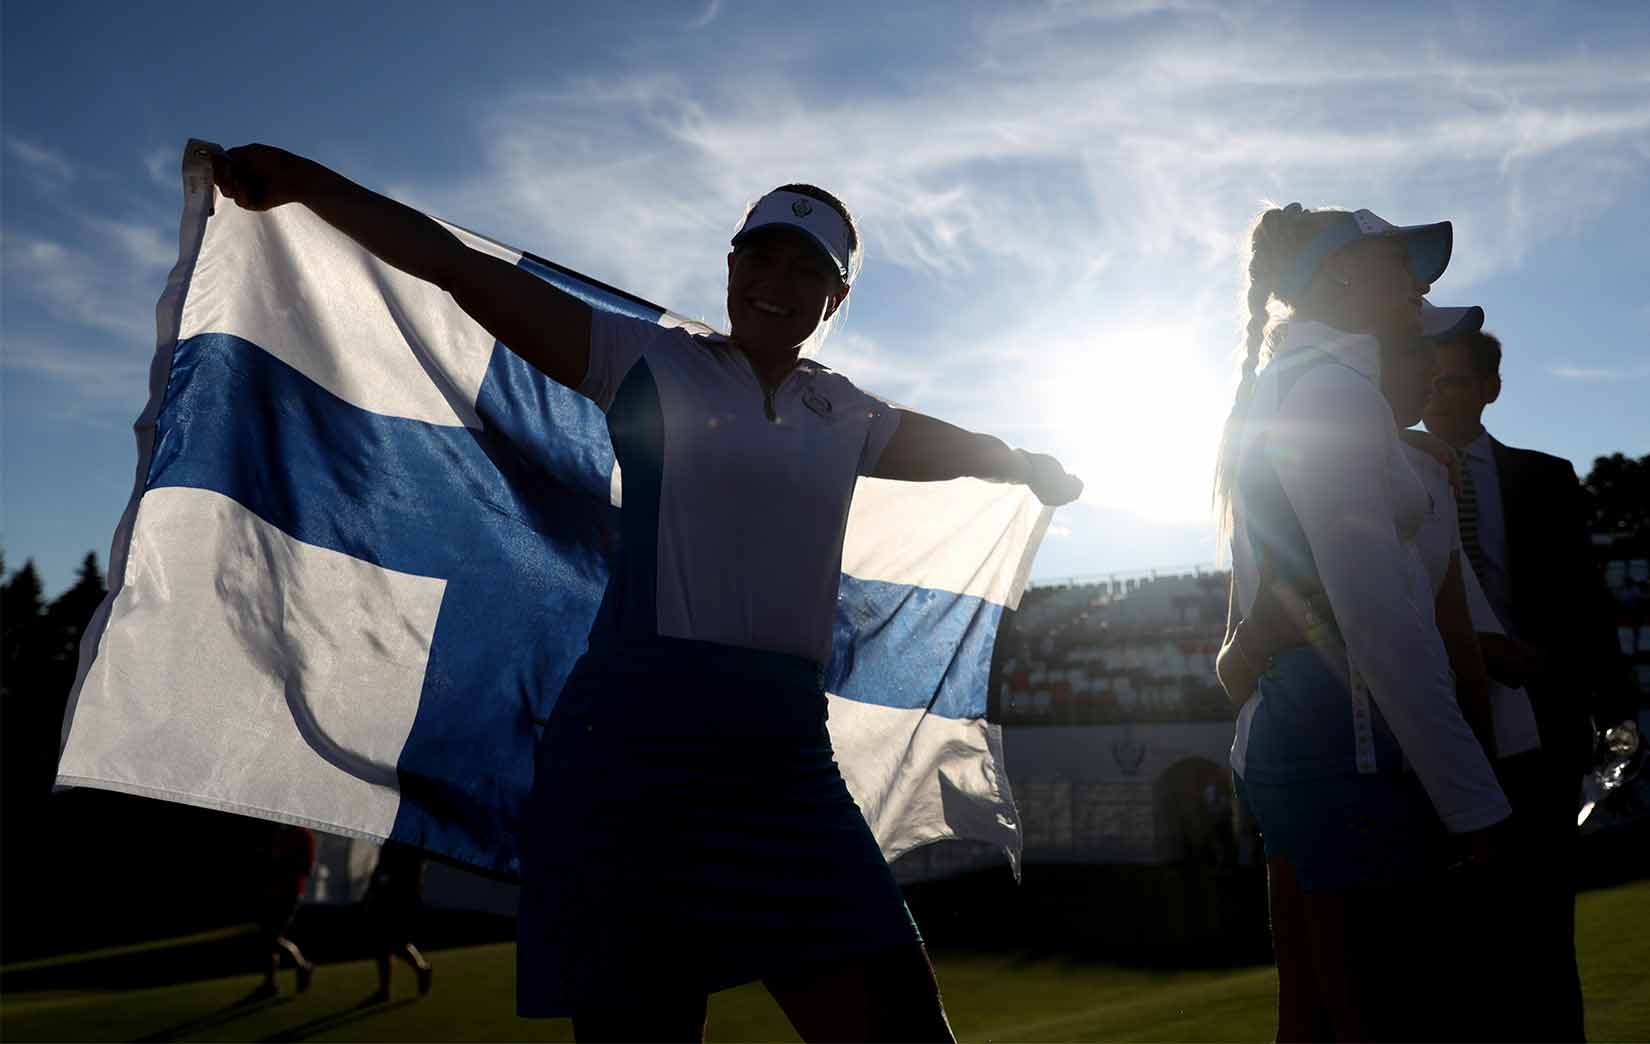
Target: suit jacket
pixel 1560 603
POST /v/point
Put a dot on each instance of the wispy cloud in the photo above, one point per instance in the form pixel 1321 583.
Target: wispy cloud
pixel 1602 373
pixel 82 270
pixel 1043 18
pixel 90 328
pixel 143 244
pixel 712 9
pixel 1055 163
pixel 1053 208
pixel 78 288
pixel 41 161
pixel 110 378
pixel 1052 196
pixel 162 167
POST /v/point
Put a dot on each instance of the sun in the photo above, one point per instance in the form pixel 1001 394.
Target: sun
pixel 1138 413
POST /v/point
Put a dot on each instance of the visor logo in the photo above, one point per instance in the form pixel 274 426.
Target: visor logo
pixel 802 208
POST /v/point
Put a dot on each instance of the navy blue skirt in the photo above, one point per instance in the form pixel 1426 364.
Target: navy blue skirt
pixel 1339 828
pixel 689 830
pixel 1349 832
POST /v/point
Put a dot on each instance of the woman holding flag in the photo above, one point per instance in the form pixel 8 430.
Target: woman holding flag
pixel 689 829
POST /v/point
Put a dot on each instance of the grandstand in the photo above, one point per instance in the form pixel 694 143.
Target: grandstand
pixel 1627 575
pixel 1124 648
pixel 1115 729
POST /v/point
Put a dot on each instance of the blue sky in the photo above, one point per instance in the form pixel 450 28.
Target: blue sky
pixel 1053 198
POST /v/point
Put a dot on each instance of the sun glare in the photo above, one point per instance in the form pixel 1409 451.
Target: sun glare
pixel 1139 413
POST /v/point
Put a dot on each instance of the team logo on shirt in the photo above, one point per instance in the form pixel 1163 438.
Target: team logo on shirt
pixel 802 208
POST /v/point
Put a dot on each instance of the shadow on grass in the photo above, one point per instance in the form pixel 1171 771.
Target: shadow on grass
pixel 355 1013
pixel 251 1004
pixel 140 967
pixel 328 935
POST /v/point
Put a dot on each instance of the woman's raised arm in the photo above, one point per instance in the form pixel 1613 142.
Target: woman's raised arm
pixel 546 326
pixel 923 449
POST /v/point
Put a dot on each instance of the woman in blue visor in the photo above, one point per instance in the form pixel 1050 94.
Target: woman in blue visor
pixel 1353 750
pixel 689 829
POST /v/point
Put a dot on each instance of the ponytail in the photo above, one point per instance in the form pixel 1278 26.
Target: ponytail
pixel 1276 236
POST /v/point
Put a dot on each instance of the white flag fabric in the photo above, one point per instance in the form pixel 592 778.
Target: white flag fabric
pixel 366 543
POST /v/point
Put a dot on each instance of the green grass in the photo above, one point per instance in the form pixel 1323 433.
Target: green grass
pixel 991 998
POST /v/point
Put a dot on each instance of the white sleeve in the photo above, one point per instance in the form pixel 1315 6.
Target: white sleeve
pixel 616 342
pixel 1334 468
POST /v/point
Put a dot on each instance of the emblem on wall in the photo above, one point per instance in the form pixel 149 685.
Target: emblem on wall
pixel 1128 752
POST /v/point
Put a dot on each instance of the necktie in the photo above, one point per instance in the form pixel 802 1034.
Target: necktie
pixel 1468 516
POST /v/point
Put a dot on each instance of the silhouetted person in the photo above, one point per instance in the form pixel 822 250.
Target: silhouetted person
pixel 284 873
pixel 722 597
pixel 1352 754
pixel 395 895
pixel 1523 526
pixel 1469 906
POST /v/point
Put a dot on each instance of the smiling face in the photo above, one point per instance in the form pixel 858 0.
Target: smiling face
pixel 781 286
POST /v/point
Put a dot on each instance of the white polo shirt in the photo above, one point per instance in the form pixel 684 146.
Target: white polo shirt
pixel 734 500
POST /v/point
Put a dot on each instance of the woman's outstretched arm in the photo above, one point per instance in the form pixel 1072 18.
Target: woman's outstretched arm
pixel 547 327
pixel 923 449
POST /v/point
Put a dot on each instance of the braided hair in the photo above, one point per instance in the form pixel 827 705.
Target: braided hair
pixel 1275 237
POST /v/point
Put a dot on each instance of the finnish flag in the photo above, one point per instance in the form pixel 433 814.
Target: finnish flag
pixel 366 542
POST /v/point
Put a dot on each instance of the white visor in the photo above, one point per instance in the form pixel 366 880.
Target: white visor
pixel 817 218
pixel 1446 323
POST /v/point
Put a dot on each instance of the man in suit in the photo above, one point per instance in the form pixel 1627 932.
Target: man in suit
pixel 1524 530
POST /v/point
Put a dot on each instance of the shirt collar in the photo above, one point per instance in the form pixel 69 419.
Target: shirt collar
pixel 1479 448
pixel 804 367
pixel 1360 351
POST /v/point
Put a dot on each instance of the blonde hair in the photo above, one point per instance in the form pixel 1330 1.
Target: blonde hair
pixel 1276 236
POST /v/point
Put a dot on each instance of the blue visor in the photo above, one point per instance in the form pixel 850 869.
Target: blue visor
pixel 1426 248
pixel 1449 322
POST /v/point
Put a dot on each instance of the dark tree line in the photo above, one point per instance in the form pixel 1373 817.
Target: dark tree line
pixel 1618 492
pixel 39 651
pixel 81 867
